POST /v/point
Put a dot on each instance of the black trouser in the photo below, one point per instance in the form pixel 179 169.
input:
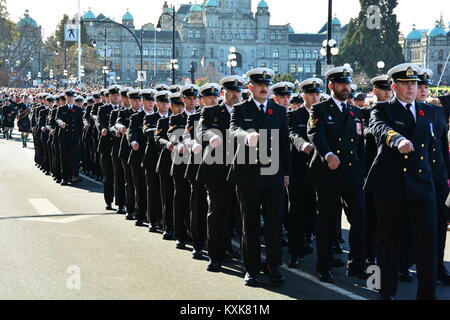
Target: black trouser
pixel 48 145
pixel 69 157
pixel 302 205
pixel 181 207
pixel 140 191
pixel 199 211
pixel 45 154
pixel 220 199
pixel 154 210
pixel 166 188
pixel 56 163
pixel 371 226
pixel 129 186
pixel 108 178
pixel 271 199
pixel 442 221
pixel 119 182
pixel 391 216
pixel 329 203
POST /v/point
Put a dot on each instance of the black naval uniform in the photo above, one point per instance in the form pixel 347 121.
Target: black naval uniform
pixel 404 191
pixel 43 137
pixel 302 197
pixel 69 139
pixel 331 130
pixel 221 193
pixel 119 180
pixel 105 148
pixel 55 146
pixel 256 187
pixel 96 158
pixel 198 200
pixel 182 190
pixel 440 165
pixel 88 165
pixel 36 135
pixel 149 162
pixel 163 169
pixel 135 133
pixel 123 120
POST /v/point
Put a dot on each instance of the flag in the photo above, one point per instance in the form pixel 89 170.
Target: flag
pixel 202 62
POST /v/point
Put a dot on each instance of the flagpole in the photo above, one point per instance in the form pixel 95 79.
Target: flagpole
pixel 79 42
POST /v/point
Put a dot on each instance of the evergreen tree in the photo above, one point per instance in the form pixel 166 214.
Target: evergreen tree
pixel 59 33
pixel 363 47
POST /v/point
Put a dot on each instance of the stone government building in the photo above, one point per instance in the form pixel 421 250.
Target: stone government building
pixel 204 34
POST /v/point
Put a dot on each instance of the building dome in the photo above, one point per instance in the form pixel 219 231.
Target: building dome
pixel 290 29
pixel 89 15
pixel 27 21
pixel 211 3
pixel 335 21
pixel 414 34
pixel 127 16
pixel 437 31
pixel 196 8
pixel 262 4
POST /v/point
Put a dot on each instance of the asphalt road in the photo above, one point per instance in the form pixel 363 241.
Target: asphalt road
pixel 59 243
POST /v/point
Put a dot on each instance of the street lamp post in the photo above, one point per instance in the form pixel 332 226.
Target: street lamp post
pixel 380 65
pixel 105 42
pixel 232 60
pixel 172 15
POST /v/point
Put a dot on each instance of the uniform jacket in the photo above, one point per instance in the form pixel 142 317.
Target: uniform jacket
pixel 74 123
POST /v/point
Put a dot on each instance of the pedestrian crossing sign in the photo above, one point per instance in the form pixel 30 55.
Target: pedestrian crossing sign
pixel 141 76
pixel 71 32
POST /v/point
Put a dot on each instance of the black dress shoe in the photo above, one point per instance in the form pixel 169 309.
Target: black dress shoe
pixel 284 242
pixel 121 210
pixel 405 276
pixel 214 266
pixel 294 262
pixel 251 279
pixel 139 223
pixel 58 181
pixel 168 235
pixel 336 262
pixel 273 272
pixel 64 183
pixel 197 254
pixel 108 207
pixel 47 173
pixel 180 245
pixel 153 229
pixel 326 276
pixel 444 277
pixel 129 216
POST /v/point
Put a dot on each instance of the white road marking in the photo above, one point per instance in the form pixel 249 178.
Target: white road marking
pixel 314 279
pixel 45 207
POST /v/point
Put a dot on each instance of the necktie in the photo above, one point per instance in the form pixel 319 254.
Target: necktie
pixel 261 108
pixel 344 107
pixel 408 107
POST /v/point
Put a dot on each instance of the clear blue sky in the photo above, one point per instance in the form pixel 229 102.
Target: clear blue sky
pixel 304 16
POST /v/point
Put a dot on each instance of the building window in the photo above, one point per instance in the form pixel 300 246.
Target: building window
pixel 137 52
pixel 146 66
pixel 145 51
pixel 293 54
pixel 169 52
pixel 439 69
pixel 441 54
pixel 230 35
pixel 273 36
pixel 307 68
pixel 194 52
pixel 253 54
pixel 244 35
pixel 197 35
pixel 117 66
pixel 276 54
pixel 152 51
pixel 307 54
pixel 152 66
pixel 262 65
pixel 190 34
pixel 160 52
pixel 116 51
pixel 211 52
pixel 293 68
pixel 276 67
pixel 221 53
pixel 315 54
pixel 300 54
pixel 222 35
pixel 160 66
pixel 280 36
pixel 138 66
pixel 237 35
pixel 128 66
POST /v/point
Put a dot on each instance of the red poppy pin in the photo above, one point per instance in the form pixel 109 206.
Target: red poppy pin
pixel 270 111
pixel 351 113
pixel 421 113
pixel 73 110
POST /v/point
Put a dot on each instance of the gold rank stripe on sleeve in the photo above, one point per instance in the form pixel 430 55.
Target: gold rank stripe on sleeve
pixel 172 127
pixel 159 131
pixel 190 128
pixel 389 136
